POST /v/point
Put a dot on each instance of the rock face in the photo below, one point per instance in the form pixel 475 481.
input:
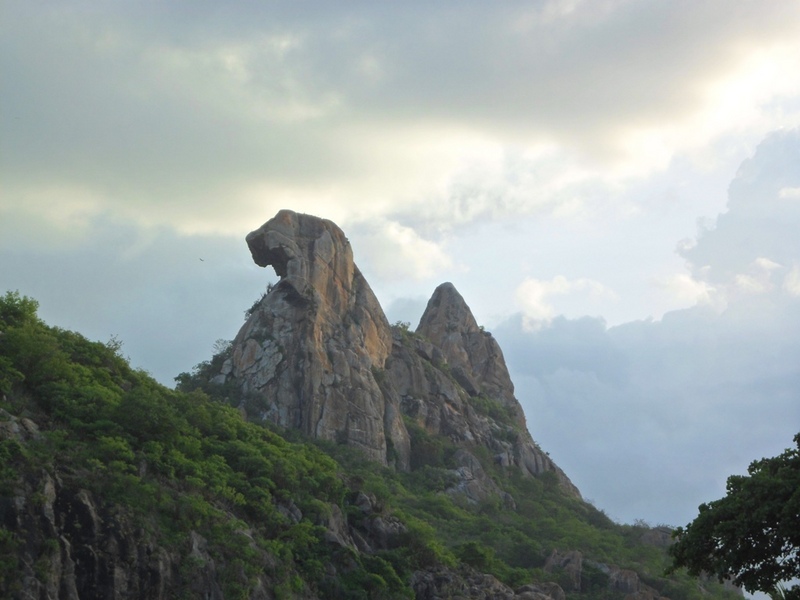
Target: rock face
pixel 74 545
pixel 476 363
pixel 318 354
pixel 570 563
pixel 309 350
pixel 475 359
pixel 79 546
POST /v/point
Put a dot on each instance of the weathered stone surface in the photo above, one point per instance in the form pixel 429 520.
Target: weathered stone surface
pixel 75 546
pixel 476 362
pixel 547 588
pixel 531 592
pixel 623 580
pixel 374 530
pixel 444 583
pixel 308 354
pixel 474 356
pixel 473 482
pixel 660 537
pixel 17 428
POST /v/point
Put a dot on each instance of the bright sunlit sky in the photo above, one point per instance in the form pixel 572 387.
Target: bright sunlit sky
pixel 612 185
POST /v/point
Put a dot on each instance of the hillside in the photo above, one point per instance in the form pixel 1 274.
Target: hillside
pixel 322 454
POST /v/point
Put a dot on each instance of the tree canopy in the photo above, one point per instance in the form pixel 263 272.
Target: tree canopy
pixel 752 535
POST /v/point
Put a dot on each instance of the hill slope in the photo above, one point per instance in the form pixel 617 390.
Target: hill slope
pixel 113 486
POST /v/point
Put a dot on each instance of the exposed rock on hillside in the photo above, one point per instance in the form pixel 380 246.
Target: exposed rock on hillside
pixel 476 363
pixel 115 487
pixel 78 545
pixel 318 354
pixel 474 356
pixel 309 349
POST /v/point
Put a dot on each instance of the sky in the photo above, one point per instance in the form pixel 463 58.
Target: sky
pixel 612 185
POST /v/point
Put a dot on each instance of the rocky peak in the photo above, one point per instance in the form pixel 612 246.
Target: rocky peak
pixel 306 356
pixel 447 313
pixel 317 354
pixel 312 256
pixel 473 354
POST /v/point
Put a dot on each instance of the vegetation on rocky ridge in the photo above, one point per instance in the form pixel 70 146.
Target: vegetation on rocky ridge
pixel 276 513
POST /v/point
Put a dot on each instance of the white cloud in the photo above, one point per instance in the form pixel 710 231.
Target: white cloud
pixel 65 211
pixel 758 279
pixel 392 251
pixel 789 192
pixel 750 285
pixel 687 290
pixel 765 264
pixel 791 282
pixel 746 247
pixel 533 296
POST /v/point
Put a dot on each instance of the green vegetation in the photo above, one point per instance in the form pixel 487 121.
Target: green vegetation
pixel 514 544
pixel 403 329
pixel 184 461
pixel 752 535
pixel 494 409
pixel 177 461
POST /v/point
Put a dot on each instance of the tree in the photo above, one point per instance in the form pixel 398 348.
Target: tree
pixel 16 310
pixel 752 535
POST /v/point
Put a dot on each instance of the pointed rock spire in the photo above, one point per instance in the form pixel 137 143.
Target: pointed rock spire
pixel 473 354
pixel 477 364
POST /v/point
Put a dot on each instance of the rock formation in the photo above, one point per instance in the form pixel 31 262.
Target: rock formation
pixel 318 354
pixel 310 348
pixel 475 358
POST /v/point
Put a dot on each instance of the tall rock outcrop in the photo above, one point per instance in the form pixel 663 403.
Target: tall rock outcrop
pixel 308 351
pixel 453 380
pixel 474 356
pixel 318 354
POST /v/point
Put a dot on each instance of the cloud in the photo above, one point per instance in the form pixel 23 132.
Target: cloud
pixel 792 281
pixel 533 296
pixel 687 290
pixel 179 115
pixel 650 417
pixel 534 139
pixel 789 192
pixel 750 248
pixel 394 252
pixel 146 286
pixel 759 277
